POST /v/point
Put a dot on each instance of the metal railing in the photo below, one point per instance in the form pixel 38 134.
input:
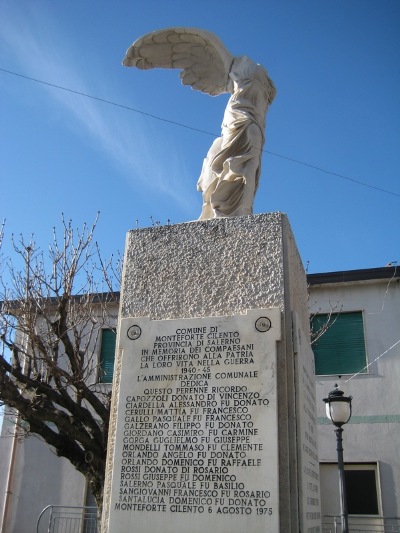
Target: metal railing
pixel 362 524
pixel 66 519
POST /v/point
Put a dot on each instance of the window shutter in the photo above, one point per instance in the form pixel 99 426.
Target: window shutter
pixel 107 354
pixel 341 349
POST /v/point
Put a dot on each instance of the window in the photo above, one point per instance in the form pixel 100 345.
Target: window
pixel 341 348
pixel 361 489
pixel 107 354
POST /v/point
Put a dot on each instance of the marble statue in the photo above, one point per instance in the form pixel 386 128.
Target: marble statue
pixel 231 169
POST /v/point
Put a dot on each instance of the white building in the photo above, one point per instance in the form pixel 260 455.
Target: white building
pixel 32 476
pixel 360 351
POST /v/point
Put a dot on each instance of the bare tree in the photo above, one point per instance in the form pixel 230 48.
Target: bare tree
pixel 53 307
pixel 316 331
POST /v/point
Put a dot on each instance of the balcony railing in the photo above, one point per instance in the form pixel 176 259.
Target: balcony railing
pixel 362 524
pixel 64 519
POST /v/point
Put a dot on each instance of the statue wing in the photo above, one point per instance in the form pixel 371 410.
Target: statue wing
pixel 204 60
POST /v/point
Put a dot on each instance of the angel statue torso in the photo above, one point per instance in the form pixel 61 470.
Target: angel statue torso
pixel 232 167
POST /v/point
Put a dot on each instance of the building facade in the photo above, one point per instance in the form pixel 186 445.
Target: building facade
pixel 358 314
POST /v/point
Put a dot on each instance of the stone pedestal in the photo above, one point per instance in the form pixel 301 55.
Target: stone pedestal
pixel 213 413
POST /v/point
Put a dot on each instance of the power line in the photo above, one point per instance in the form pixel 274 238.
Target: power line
pixel 372 362
pixel 334 174
pixel 180 124
pixel 104 101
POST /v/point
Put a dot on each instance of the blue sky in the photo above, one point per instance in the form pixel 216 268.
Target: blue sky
pixel 336 66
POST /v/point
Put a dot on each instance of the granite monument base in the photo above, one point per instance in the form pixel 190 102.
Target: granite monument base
pixel 213 413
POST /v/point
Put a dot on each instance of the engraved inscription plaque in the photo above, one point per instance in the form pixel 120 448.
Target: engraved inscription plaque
pixel 196 445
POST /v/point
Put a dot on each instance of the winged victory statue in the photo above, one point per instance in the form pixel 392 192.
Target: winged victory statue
pixel 232 167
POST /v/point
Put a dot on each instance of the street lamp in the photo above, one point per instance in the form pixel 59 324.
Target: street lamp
pixel 338 410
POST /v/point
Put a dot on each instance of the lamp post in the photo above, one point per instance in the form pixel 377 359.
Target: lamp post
pixel 338 410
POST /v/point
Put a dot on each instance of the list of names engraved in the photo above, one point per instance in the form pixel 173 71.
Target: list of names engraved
pixel 197 423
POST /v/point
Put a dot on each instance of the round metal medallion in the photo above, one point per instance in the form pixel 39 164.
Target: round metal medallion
pixel 263 324
pixel 134 332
